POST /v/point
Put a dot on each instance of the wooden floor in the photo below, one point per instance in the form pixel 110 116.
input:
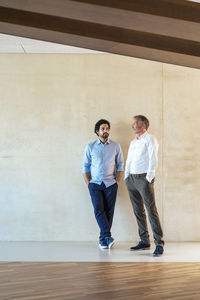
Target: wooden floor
pixel 85 280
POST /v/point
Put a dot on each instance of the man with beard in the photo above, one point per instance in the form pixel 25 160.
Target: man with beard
pixel 139 176
pixel 102 171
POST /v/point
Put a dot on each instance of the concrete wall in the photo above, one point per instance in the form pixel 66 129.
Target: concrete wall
pixel 48 107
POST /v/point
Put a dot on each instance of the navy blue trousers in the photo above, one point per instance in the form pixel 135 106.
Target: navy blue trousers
pixel 103 200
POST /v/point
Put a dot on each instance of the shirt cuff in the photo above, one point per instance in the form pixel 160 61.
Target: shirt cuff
pixel 120 169
pixel 85 170
pixel 126 176
pixel 150 176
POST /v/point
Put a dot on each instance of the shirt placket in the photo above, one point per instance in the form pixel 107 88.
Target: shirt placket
pixel 102 159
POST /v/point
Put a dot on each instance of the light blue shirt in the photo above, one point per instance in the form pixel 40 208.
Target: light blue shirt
pixel 102 161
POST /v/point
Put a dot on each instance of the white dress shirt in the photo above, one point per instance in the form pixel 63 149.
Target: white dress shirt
pixel 142 156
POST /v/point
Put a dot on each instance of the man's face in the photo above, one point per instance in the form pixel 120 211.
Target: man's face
pixel 104 131
pixel 137 126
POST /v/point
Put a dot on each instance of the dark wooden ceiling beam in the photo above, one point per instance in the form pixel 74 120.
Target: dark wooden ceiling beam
pixel 178 9
pixel 126 27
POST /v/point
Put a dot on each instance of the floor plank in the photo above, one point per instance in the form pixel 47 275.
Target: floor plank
pixel 94 280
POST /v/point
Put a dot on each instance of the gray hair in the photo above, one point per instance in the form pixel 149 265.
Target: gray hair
pixel 143 120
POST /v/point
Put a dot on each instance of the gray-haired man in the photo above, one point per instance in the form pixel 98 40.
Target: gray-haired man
pixel 139 177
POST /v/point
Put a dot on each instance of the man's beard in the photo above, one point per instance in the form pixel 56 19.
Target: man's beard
pixel 105 135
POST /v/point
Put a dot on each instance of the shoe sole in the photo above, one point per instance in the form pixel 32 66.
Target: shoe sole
pixel 140 249
pixel 103 247
pixel 111 244
pixel 157 255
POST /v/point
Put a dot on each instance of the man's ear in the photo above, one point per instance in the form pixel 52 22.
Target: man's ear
pixel 97 132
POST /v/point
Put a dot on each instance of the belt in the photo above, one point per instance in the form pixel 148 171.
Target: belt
pixel 139 175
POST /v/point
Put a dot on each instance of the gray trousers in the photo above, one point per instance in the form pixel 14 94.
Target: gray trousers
pixel 141 193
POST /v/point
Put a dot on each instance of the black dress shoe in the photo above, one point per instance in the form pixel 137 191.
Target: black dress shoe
pixel 140 246
pixel 158 251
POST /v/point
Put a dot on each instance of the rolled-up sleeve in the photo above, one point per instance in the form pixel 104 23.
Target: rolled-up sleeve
pixel 86 160
pixel 119 160
pixel 153 158
pixel 128 163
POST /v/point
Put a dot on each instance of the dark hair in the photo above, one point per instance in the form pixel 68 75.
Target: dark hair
pixel 99 123
pixel 143 120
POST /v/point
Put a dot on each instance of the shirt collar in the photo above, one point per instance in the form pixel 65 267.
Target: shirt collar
pixel 107 142
pixel 142 136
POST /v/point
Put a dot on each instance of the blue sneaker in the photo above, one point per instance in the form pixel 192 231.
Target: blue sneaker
pixel 158 251
pixel 110 242
pixel 103 244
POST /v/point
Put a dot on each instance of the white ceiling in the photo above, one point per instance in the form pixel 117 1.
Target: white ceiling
pixel 14 44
